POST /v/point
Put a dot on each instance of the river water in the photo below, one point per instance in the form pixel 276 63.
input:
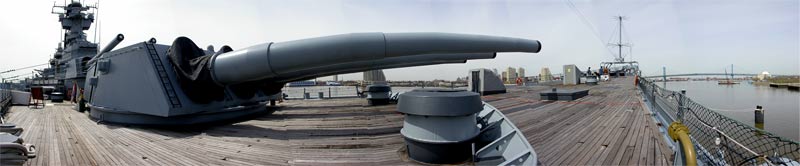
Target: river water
pixel 782 115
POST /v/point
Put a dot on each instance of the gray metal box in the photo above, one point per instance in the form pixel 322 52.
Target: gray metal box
pixel 572 75
pixel 485 82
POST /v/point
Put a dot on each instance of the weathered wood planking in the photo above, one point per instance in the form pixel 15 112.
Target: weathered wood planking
pixel 608 127
pixel 327 132
pixel 611 126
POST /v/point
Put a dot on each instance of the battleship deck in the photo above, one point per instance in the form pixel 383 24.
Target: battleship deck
pixel 608 127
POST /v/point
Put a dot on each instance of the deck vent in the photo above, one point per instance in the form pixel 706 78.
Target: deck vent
pixel 378 94
pixel 440 124
pixel 591 80
pixel 563 95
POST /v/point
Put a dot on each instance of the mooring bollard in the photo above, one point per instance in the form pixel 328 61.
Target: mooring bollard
pixel 759 117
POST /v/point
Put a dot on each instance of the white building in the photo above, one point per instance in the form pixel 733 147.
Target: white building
pixel 545 76
pixel 511 75
pixel 763 76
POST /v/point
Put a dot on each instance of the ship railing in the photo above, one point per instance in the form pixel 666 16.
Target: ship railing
pixel 298 92
pixel 5 100
pixel 718 139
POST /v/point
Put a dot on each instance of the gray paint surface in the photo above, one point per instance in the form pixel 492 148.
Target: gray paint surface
pixel 572 75
pixel 271 60
pixel 487 82
pixel 436 121
pixel 127 86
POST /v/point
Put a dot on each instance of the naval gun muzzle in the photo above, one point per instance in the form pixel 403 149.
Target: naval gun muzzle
pixel 342 52
pixel 114 42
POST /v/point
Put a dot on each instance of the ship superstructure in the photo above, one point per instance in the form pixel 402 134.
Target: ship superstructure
pixel 74 51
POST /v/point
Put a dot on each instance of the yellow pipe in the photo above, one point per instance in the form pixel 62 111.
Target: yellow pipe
pixel 678 132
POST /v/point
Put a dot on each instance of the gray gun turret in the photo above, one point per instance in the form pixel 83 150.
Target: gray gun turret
pixel 149 83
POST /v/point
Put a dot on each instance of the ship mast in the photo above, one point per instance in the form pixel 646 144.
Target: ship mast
pixel 619 44
pixel 620 58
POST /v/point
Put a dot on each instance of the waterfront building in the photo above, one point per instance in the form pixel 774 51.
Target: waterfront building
pixel 544 75
pixel 510 75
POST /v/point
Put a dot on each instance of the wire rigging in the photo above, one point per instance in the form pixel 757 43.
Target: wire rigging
pixel 611 37
pixel 630 42
pixel 588 24
pixel 27 67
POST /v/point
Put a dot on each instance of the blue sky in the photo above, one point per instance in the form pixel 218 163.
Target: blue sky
pixel 686 36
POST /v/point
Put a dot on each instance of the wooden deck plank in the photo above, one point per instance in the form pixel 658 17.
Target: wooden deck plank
pixel 571 134
pixel 617 147
pixel 614 141
pixel 602 132
pixel 638 140
pixel 553 136
pixel 586 140
pixel 598 145
pixel 608 127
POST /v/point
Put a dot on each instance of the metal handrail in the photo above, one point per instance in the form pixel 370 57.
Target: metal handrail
pixel 709 128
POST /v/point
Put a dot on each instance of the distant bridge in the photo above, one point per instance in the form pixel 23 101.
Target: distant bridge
pixel 706 74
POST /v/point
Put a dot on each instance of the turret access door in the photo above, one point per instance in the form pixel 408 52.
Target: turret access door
pixel 476 81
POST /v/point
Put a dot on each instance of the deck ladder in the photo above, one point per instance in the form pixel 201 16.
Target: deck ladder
pixel 162 74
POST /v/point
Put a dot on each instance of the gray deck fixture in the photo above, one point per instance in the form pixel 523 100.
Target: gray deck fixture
pixel 564 95
pixel 13 149
pixel 378 94
pixel 444 126
pixel 500 142
pixel 150 83
pixel 485 82
pixel 440 124
pixel 591 80
pixel 57 97
pixel 572 75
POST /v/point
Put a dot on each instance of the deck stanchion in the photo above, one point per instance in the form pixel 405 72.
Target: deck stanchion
pixel 681 107
pixel 759 117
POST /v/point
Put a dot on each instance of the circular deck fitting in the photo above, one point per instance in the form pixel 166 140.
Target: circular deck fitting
pixel 440 124
pixel 440 102
pixel 378 94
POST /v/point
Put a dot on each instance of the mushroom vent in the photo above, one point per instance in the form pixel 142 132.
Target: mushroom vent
pixel 378 94
pixel 440 124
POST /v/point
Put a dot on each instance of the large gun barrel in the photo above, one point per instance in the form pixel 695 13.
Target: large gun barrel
pixel 117 39
pixel 367 68
pixel 273 60
pixel 112 44
pixel 385 63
